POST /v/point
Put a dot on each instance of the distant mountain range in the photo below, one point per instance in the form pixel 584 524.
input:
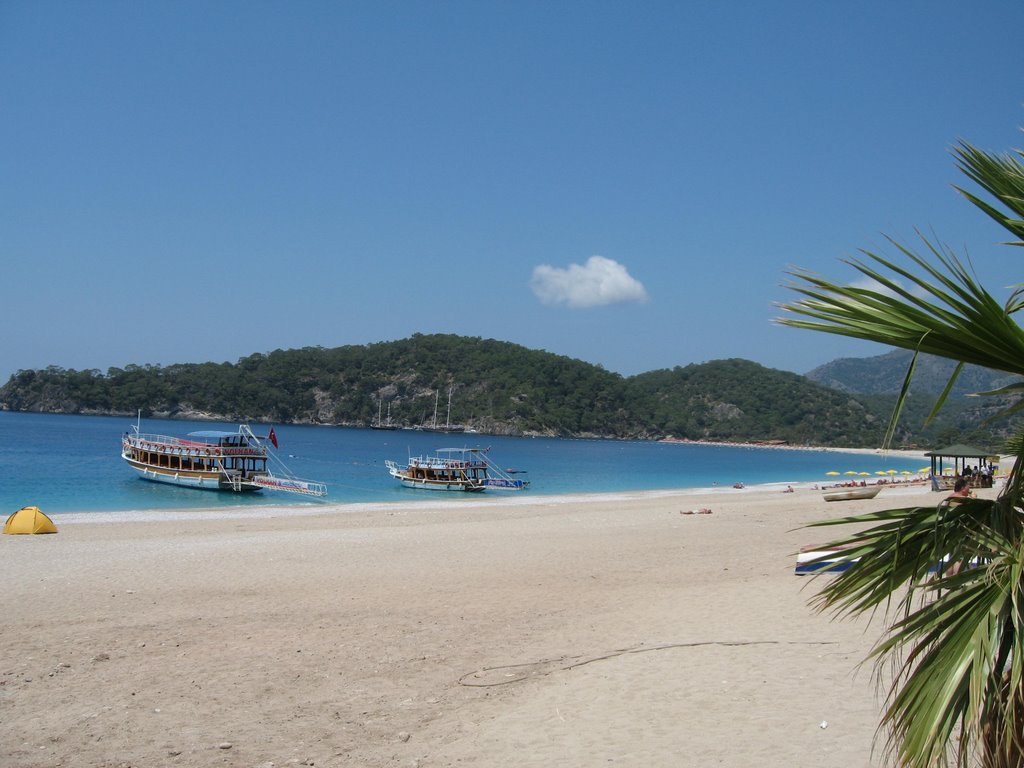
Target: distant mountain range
pixel 884 375
pixel 878 380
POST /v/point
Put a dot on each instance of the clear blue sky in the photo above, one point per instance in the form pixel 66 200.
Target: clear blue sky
pixel 624 183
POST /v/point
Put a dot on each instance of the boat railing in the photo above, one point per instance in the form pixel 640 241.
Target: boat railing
pixel 440 462
pixel 290 485
pixel 180 447
pixel 153 439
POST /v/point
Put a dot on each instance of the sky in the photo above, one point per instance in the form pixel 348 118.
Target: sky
pixel 622 183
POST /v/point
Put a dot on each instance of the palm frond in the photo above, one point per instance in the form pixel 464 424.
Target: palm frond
pixel 956 608
pixel 950 316
pixel 949 578
pixel 945 393
pixel 1002 176
pixel 900 401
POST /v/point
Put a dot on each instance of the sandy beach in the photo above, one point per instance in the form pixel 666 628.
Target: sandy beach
pixel 527 631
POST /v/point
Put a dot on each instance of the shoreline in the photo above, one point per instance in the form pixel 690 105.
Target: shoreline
pixel 901 452
pixel 454 500
pixel 437 499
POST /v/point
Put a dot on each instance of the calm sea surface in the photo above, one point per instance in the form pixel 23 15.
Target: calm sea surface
pixel 73 464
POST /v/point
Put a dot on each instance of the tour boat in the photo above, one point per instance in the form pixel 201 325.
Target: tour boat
pixel 455 469
pixel 212 459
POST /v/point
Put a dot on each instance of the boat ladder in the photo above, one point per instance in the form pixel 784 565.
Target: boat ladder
pixel 235 479
pixel 290 485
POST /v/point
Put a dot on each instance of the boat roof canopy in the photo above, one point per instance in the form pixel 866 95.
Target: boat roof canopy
pixel 214 433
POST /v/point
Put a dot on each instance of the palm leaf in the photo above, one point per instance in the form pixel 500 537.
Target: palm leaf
pixel 954 636
pixel 1002 176
pixel 949 315
pixel 949 578
pixel 945 393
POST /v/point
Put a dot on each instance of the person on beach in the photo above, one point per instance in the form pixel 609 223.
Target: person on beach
pixel 961 489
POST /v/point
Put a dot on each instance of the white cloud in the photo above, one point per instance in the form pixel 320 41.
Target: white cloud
pixel 599 282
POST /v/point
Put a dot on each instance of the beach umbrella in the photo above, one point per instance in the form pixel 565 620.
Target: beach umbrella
pixel 925 469
pixel 906 472
pixel 864 474
pixel 850 472
pixel 881 472
pixel 831 473
pixel 890 472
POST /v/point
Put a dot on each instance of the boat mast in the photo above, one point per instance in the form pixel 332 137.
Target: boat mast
pixel 448 418
pixel 437 393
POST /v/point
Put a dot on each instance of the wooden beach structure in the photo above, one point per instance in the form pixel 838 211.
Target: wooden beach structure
pixel 956 461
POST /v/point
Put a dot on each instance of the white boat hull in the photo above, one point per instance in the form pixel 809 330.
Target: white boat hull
pixel 852 493
pixel 433 485
pixel 205 480
pixel 813 561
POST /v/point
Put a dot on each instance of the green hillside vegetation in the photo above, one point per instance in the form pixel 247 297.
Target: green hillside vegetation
pixel 965 418
pixel 884 374
pixel 737 400
pixel 496 387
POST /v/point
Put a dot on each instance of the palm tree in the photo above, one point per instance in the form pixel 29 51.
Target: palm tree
pixel 954 636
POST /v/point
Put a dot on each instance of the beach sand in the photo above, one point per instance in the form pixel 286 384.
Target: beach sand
pixel 526 631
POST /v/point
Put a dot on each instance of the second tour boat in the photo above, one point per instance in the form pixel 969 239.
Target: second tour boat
pixel 454 469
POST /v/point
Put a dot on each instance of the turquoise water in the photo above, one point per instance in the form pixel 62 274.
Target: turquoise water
pixel 72 464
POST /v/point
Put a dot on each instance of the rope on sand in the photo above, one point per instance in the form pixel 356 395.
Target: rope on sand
pixel 544 667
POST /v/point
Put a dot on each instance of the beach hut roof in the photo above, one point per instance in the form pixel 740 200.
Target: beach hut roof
pixel 961 451
pixel 29 520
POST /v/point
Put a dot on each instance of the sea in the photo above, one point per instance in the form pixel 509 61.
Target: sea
pixel 72 464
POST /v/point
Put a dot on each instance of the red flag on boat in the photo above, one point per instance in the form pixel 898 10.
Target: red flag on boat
pixel 272 437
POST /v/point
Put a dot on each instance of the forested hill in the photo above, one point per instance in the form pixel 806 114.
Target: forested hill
pixel 884 374
pixel 496 387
